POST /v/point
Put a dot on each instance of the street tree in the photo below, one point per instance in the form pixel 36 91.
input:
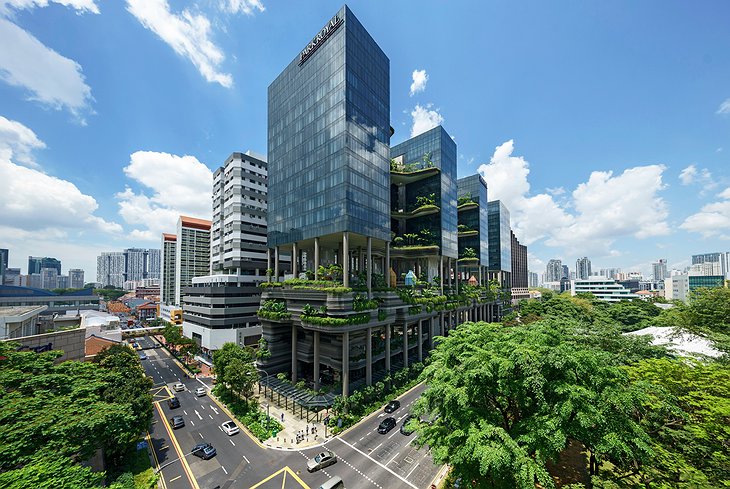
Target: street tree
pixel 223 357
pixel 507 400
pixel 240 376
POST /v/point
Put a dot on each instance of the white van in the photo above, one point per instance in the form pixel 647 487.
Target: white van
pixel 333 483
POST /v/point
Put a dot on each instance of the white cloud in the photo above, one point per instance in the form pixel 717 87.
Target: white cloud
pixel 177 185
pixel 425 118
pixel 702 177
pixel 82 6
pixel 247 7
pixel 187 34
pixel 724 107
pixel 51 79
pixel 17 142
pixel 420 77
pixel 687 175
pixel 35 202
pixel 713 219
pixel 597 213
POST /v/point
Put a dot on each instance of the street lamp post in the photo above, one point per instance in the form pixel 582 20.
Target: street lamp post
pixel 267 380
pixel 267 406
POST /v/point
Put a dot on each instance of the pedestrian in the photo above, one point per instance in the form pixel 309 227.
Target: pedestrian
pixel 282 417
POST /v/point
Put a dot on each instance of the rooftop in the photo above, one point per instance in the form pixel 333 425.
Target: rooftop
pixel 193 222
pixel 21 310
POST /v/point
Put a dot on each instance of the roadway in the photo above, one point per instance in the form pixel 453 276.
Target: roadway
pixel 366 459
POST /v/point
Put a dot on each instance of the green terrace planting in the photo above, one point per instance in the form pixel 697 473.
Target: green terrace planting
pixel 329 286
pixel 361 303
pixel 273 309
pixel 331 321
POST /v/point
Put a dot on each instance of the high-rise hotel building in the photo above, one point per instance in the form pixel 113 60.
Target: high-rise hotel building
pixel 167 272
pixel 351 210
pixel 192 252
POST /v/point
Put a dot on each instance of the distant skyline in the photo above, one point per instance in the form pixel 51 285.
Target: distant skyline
pixel 603 126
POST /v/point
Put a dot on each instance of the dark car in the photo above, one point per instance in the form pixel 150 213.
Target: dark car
pixel 204 451
pixel 403 428
pixel 392 406
pixel 173 402
pixel 386 425
pixel 177 422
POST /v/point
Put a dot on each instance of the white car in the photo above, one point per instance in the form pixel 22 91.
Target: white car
pixel 230 428
pixel 179 386
pixel 321 460
pixel 201 391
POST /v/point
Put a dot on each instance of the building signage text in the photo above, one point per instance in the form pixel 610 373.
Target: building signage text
pixel 320 38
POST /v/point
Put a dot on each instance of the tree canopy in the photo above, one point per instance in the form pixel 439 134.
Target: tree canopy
pixel 53 412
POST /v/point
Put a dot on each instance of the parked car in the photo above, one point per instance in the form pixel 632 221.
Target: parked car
pixel 321 460
pixel 403 429
pixel 178 386
pixel 177 422
pixel 201 391
pixel 142 356
pixel 173 402
pixel 230 428
pixel 204 451
pixel 392 406
pixel 386 425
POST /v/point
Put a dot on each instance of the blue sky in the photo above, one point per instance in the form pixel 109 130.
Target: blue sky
pixel 604 126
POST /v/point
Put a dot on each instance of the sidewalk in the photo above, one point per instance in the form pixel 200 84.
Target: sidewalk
pixel 287 438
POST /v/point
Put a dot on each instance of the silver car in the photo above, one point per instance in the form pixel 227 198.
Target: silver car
pixel 321 460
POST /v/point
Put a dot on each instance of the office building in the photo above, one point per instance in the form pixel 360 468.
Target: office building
pixel 705 281
pixel 500 244
pixel 62 282
pixel 533 279
pixel 566 272
pixel 221 307
pixel 12 277
pixel 167 273
pixel 554 271
pixel 76 278
pixel 603 288
pixel 37 263
pixel 722 259
pixel 334 198
pixel 473 226
pixel 49 278
pixel 192 252
pixel 520 284
pixel 659 270
pixel 4 257
pixel 609 272
pixel 582 268
pixel 676 287
pixel 110 268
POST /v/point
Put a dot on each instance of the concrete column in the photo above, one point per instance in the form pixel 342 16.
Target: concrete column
pixel 405 345
pixel 441 273
pixel 442 320
pixel 268 258
pixel 316 360
pixel 369 357
pixel 316 258
pixel 387 263
pixel 387 348
pixel 346 259
pixel 276 264
pixel 369 266
pixel 293 353
pixel 420 340
pixel 345 364
pixel 295 260
pixel 448 270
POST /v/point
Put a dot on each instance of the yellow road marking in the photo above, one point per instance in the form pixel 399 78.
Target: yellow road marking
pixel 286 470
pixel 179 452
pixel 283 481
pixel 304 485
pixel 154 456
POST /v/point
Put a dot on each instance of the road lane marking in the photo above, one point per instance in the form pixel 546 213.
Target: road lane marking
pixel 244 457
pixel 372 459
pixel 178 451
pixel 192 422
pixel 186 413
pixel 199 416
pixel 394 457
pixel 211 416
pixel 214 409
pixel 175 478
pixel 202 406
pixel 201 435
pixel 165 447
pixel 224 470
pixel 232 442
pixel 414 468
pixel 394 433
pixel 376 447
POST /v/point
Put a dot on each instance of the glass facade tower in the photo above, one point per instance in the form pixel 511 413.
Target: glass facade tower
pixel 500 242
pixel 329 138
pixel 475 219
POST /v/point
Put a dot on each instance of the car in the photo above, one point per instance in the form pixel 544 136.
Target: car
pixel 403 429
pixel 142 356
pixel 230 428
pixel 201 391
pixel 392 406
pixel 204 450
pixel 177 422
pixel 386 425
pixel 173 402
pixel 178 386
pixel 321 460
